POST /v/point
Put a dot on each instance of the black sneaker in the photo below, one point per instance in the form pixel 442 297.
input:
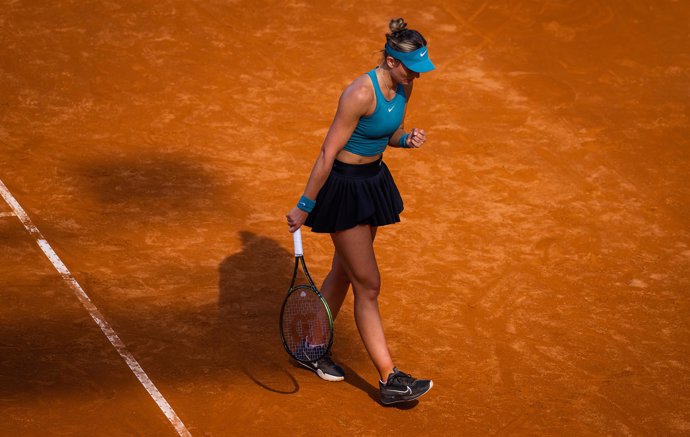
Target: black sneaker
pixel 401 387
pixel 325 368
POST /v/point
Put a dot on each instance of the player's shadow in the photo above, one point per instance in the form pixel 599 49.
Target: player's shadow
pixel 252 284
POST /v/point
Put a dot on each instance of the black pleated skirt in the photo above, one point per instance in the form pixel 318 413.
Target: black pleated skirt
pixel 356 194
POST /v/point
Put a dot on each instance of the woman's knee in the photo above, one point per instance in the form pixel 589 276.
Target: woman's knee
pixel 368 289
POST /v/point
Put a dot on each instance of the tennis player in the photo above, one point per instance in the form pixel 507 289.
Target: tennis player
pixel 350 193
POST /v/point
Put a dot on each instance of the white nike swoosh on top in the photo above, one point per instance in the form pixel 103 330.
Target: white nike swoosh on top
pixel 391 108
pixel 421 55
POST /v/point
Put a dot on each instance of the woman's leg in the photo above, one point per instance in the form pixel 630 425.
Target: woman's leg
pixel 337 282
pixel 355 249
pixel 335 286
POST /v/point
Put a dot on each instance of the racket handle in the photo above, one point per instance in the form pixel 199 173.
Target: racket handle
pixel 297 240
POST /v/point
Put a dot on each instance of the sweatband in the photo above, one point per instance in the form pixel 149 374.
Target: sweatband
pixel 403 140
pixel 306 204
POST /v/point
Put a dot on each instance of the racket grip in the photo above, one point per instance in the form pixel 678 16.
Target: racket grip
pixel 297 240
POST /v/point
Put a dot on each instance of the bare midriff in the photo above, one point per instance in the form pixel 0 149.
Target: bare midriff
pixel 352 158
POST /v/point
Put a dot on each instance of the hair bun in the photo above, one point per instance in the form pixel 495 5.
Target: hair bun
pixel 397 25
pixel 403 39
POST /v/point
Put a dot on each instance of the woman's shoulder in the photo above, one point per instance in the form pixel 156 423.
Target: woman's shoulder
pixel 361 87
pixel 359 92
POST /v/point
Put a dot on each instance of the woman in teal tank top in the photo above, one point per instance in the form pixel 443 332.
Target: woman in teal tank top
pixel 350 193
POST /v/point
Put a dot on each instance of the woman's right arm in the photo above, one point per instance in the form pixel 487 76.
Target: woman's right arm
pixel 355 102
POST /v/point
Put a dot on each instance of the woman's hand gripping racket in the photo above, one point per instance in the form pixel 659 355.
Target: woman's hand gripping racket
pixel 306 324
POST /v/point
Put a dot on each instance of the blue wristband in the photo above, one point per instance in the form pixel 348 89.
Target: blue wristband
pixel 403 140
pixel 306 204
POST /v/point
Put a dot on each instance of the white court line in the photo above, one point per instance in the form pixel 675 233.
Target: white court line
pixel 95 313
pixel 7 214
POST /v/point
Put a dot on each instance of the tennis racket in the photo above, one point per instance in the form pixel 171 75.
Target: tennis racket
pixel 306 324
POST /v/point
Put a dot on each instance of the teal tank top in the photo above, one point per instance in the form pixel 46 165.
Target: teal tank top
pixel 373 132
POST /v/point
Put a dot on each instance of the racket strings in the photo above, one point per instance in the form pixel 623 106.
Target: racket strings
pixel 306 327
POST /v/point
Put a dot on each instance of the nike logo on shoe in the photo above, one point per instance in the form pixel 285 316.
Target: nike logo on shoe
pixel 406 392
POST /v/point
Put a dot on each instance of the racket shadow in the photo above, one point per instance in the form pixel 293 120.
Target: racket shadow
pixel 273 381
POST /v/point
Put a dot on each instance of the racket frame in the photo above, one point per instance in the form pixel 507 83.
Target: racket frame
pixel 311 287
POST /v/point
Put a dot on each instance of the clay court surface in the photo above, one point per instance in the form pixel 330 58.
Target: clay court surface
pixel 540 274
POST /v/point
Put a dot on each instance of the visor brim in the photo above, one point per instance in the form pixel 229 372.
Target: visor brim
pixel 420 67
